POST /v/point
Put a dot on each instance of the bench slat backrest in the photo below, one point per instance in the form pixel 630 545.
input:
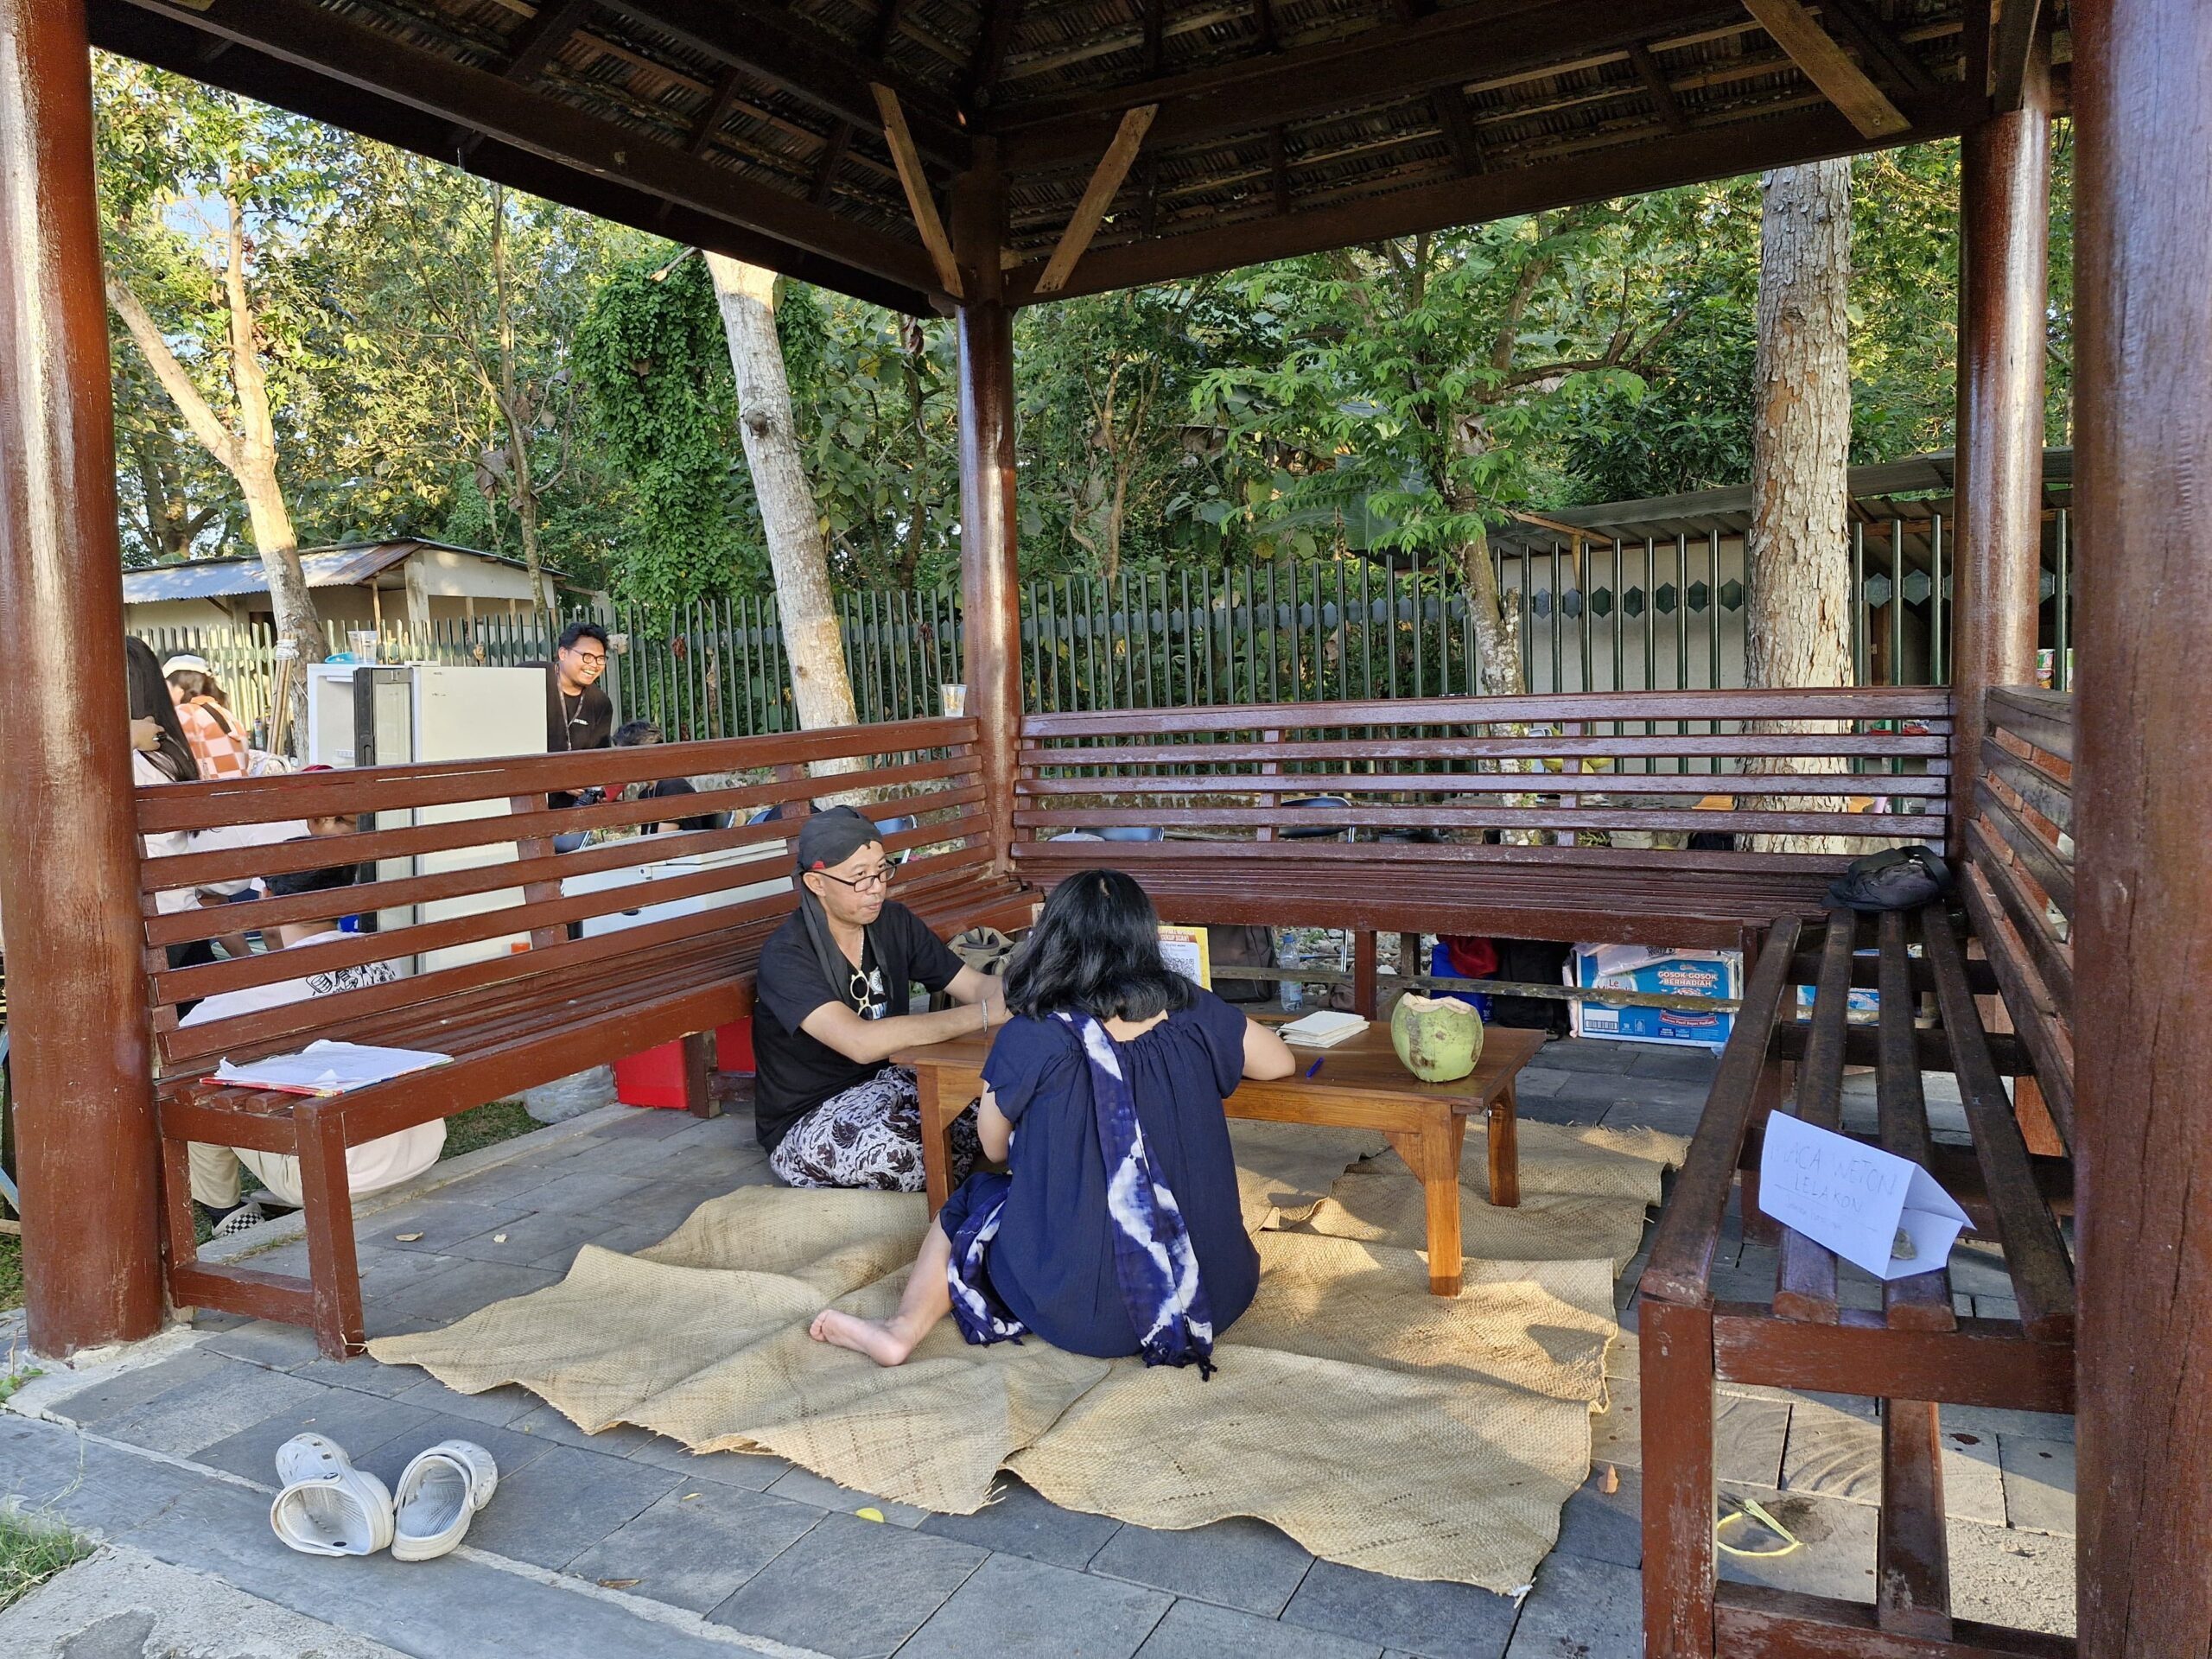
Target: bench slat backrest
pixel 2017 877
pixel 473 898
pixel 1556 764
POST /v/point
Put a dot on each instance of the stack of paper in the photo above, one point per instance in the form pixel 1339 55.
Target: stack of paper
pixel 1325 1028
pixel 327 1068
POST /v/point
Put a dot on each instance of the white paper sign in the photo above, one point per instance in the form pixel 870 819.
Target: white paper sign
pixel 1854 1198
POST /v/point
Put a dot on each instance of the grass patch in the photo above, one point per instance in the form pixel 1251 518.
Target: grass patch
pixel 31 1552
pixel 487 1126
pixel 11 1272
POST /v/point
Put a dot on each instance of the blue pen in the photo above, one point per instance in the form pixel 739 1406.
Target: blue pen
pixel 1316 1066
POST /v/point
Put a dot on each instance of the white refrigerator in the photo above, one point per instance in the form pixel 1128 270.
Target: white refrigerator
pixel 366 714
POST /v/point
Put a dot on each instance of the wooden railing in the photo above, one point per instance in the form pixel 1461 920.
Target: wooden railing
pixel 2017 877
pixel 469 892
pixel 1560 766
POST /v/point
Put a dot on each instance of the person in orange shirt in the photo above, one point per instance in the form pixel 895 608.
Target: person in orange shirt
pixel 218 737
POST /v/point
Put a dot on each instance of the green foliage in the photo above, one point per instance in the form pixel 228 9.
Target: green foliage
pixel 1115 469
pixel 1421 388
pixel 652 353
pixel 1389 399
pixel 874 396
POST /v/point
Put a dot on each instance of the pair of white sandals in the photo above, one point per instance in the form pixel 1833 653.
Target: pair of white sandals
pixel 328 1507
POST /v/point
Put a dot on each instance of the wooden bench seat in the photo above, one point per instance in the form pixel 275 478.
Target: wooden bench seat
pixel 1914 1354
pixel 1570 894
pixel 526 1004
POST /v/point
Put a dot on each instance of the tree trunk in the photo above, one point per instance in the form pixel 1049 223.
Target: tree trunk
pixel 797 552
pixel 249 454
pixel 273 536
pixel 514 416
pixel 1798 628
pixel 1497 643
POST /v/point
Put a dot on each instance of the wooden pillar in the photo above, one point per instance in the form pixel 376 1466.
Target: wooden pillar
pixel 68 848
pixel 2143 772
pixel 989 586
pixel 2004 290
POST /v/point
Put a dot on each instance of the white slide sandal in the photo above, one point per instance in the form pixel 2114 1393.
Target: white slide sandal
pixel 344 1514
pixel 440 1493
pixel 310 1457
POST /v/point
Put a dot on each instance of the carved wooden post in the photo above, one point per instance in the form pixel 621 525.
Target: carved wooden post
pixel 2004 286
pixel 2143 927
pixel 68 843
pixel 989 588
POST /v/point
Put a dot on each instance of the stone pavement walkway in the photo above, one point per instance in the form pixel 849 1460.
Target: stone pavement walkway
pixel 624 1543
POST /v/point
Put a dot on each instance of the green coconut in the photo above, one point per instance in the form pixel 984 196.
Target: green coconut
pixel 1439 1038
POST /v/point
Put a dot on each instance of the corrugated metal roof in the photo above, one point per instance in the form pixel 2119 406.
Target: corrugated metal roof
pixel 1874 491
pixel 325 566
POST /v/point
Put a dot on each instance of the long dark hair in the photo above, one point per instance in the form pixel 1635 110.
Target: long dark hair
pixel 1095 950
pixel 149 697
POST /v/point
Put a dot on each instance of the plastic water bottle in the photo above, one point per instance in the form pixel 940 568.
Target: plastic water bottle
pixel 1293 990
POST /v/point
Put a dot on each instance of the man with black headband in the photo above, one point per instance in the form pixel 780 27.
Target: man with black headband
pixel 831 1010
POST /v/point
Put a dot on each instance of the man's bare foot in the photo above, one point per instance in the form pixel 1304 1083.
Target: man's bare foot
pixel 874 1337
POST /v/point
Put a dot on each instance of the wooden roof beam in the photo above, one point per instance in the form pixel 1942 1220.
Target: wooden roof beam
pixel 1878 44
pixel 1113 168
pixel 782 49
pixel 1829 68
pixel 1388 63
pixel 540 39
pixel 717 111
pixel 332 50
pixel 1814 132
pixel 916 183
pixel 1663 93
pixel 993 41
pixel 2011 42
pixel 169 40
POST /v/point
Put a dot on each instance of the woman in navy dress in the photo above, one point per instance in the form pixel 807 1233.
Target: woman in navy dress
pixel 1117 1230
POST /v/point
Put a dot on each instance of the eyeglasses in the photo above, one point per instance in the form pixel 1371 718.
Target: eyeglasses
pixel 878 878
pixel 589 659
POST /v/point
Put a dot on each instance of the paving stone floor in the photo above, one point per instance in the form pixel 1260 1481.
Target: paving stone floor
pixel 624 1542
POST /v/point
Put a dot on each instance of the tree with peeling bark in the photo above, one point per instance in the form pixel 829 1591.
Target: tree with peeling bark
pixel 194 183
pixel 1797 630
pixel 799 552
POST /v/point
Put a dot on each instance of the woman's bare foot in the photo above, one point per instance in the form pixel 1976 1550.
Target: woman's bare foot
pixel 879 1340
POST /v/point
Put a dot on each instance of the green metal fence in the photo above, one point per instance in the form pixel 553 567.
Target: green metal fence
pixel 1590 615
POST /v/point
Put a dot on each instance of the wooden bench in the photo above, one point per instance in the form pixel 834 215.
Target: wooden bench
pixel 1916 1352
pixel 1215 784
pixel 497 984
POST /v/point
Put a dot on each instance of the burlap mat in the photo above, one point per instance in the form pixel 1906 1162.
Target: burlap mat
pixel 1379 1426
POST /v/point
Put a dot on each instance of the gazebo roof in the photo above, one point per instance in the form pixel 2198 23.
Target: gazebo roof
pixel 1277 127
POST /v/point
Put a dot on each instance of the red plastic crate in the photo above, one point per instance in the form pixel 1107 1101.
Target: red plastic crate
pixel 655 1077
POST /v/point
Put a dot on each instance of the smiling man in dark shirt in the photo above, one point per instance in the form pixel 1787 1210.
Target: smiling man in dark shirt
pixel 831 1008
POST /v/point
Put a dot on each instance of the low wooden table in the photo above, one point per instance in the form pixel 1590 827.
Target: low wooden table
pixel 1361 1086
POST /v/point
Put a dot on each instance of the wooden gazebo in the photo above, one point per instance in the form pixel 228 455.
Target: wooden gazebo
pixel 974 156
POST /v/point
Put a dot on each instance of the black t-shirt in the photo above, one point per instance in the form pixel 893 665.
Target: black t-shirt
pixel 585 722
pixel 793 1072
pixel 668 789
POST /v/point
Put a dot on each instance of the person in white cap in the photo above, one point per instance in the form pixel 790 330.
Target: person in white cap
pixel 217 736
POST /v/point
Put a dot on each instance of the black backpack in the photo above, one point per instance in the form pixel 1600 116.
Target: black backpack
pixel 1896 878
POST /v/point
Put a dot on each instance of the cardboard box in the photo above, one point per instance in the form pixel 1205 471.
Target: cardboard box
pixel 1635 968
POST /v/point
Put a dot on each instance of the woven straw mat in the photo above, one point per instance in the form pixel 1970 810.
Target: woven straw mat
pixel 1380 1427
